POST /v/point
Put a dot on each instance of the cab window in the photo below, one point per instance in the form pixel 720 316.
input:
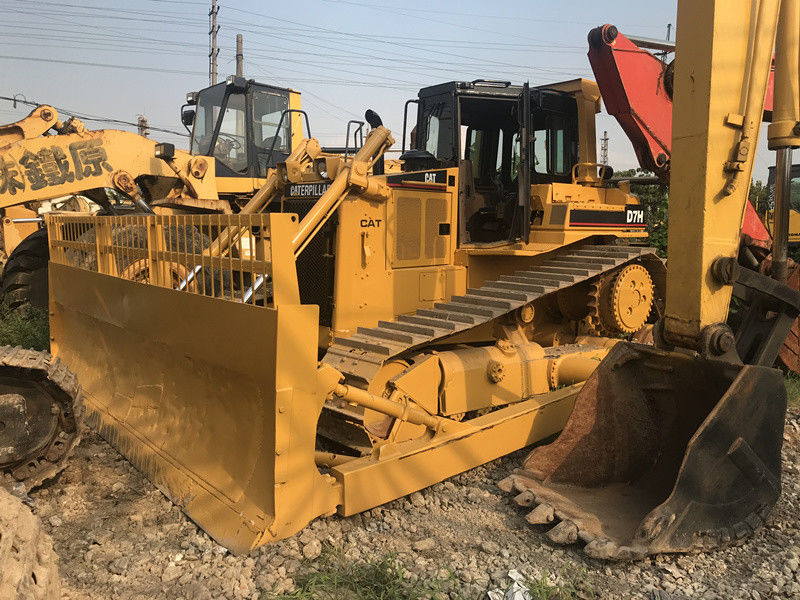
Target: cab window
pixel 268 108
pixel 553 144
pixel 209 104
pixel 231 144
pixel 438 123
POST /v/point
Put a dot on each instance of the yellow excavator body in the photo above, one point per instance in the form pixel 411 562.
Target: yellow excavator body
pixel 677 448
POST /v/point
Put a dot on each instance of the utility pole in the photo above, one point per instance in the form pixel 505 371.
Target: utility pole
pixel 213 50
pixel 143 127
pixel 669 30
pixel 239 55
pixel 604 148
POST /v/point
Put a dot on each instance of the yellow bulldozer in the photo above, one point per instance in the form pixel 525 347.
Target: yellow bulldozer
pixel 350 335
pixel 417 256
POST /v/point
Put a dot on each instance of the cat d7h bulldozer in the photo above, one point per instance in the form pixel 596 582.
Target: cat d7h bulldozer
pixel 354 334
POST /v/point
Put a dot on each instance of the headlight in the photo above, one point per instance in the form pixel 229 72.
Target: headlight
pixel 322 168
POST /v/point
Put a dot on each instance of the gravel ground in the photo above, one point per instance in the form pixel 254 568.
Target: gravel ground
pixel 118 537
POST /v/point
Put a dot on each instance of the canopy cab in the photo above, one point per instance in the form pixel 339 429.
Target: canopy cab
pixel 478 127
pixel 247 127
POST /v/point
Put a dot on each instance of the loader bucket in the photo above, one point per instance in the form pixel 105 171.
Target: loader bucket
pixel 664 452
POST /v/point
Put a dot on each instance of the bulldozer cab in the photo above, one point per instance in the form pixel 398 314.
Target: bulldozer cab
pixel 479 127
pixel 247 127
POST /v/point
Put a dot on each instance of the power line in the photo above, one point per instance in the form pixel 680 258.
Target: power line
pixel 87 117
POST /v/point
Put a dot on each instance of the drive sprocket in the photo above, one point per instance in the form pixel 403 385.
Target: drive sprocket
pixel 621 301
pixel 41 416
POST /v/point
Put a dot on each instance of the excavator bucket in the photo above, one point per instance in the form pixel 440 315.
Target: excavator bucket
pixel 664 452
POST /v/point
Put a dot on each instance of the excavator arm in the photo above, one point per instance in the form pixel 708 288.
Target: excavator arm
pixel 677 448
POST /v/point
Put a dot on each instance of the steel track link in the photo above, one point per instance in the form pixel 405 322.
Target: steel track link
pixel 362 355
pixel 45 376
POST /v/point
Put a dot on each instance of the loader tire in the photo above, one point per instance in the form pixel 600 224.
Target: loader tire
pixel 24 281
pixel 28 563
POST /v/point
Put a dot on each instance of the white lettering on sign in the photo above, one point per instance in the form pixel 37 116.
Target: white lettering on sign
pixel 634 216
pixel 430 177
pixel 308 190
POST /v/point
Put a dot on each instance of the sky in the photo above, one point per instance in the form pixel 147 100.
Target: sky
pixel 116 59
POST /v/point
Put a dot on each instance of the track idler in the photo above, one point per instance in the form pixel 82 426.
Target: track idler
pixel 41 414
pixel 664 452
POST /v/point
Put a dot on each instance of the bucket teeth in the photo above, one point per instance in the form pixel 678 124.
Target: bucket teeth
pixel 601 548
pixel 541 515
pixel 525 499
pixel 506 485
pixel 566 532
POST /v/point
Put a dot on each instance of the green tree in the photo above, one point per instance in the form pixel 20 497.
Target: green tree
pixel 654 197
pixel 759 197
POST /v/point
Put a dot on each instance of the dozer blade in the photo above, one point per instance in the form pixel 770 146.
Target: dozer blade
pixel 664 452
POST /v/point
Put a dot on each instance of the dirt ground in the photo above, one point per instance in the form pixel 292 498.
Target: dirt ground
pixel 118 537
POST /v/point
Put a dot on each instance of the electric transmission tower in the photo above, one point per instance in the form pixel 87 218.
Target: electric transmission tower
pixel 142 126
pixel 604 148
pixel 213 50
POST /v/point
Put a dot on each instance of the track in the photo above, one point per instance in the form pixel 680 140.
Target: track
pixel 41 414
pixel 362 355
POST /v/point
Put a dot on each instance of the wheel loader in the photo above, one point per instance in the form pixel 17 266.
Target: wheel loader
pixel 40 406
pixel 74 169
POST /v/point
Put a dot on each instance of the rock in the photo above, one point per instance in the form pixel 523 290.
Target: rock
pixel 490 547
pixel 424 545
pixel 171 573
pixel 417 499
pixel 306 536
pixel 119 566
pixel 793 563
pixel 55 521
pixel 312 549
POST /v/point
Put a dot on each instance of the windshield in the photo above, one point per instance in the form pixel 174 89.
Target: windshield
pixel 268 107
pixel 437 120
pixel 209 102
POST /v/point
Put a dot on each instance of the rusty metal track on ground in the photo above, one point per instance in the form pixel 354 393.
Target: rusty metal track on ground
pixel 43 401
